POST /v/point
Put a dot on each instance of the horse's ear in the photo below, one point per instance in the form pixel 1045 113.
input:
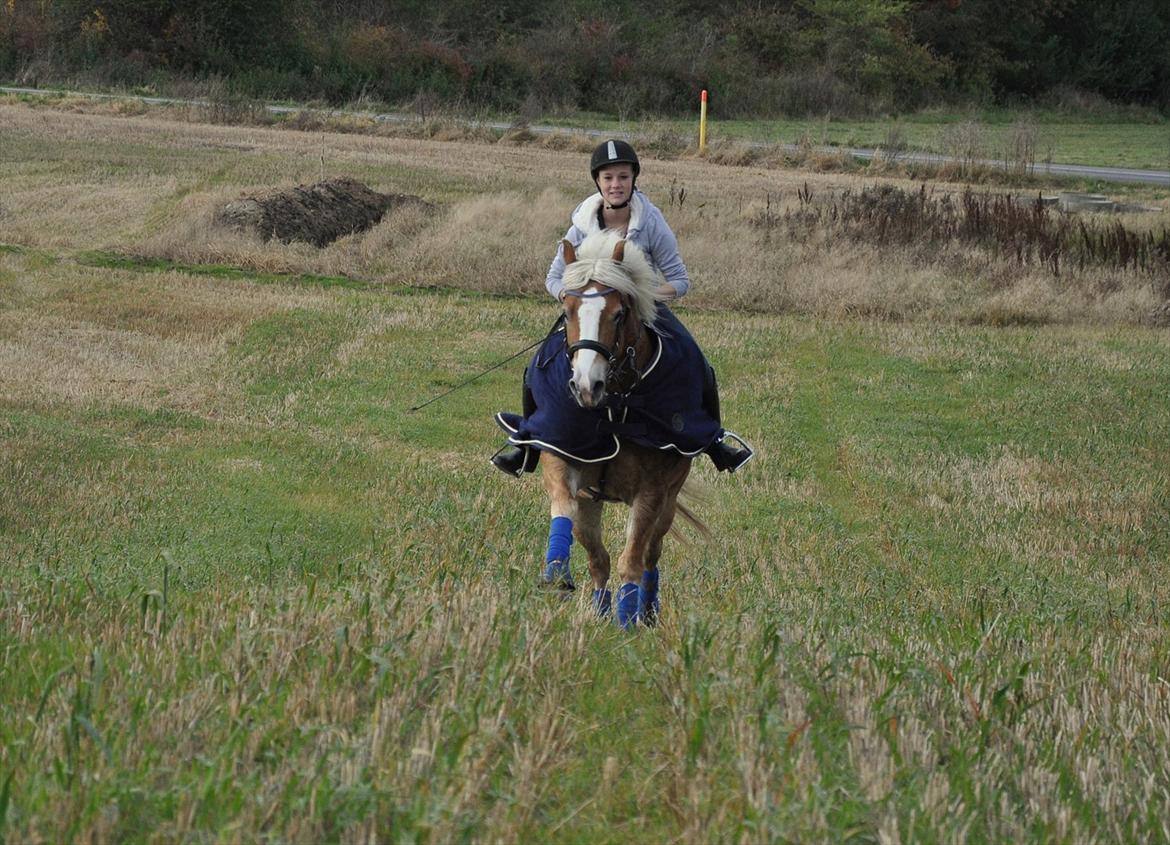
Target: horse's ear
pixel 619 251
pixel 570 255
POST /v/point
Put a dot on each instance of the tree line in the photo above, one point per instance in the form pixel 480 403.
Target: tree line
pixel 640 57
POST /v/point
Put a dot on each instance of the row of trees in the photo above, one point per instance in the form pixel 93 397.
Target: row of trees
pixel 759 58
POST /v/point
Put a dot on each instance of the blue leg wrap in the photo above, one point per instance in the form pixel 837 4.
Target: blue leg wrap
pixel 627 606
pixel 560 543
pixel 648 597
pixel 602 602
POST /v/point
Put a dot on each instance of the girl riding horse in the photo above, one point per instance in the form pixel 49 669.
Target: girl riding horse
pixel 619 205
pixel 615 423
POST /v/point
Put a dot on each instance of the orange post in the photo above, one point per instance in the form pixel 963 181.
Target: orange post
pixel 703 120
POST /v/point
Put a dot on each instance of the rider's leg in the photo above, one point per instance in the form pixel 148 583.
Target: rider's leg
pixel 727 456
pixel 730 452
pixel 517 460
pixel 527 400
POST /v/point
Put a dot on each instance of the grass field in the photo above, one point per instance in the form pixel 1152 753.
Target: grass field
pixel 249 596
pixel 1126 138
pixel 1114 140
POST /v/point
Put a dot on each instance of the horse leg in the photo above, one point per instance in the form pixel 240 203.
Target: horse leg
pixel 648 605
pixel 588 534
pixel 558 484
pixel 641 529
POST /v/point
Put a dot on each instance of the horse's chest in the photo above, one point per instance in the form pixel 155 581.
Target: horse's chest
pixel 598 482
pixel 621 479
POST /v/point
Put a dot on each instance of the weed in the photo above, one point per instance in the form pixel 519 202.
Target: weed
pixel 1004 225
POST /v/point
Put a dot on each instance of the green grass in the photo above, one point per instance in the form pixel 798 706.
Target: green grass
pixel 1127 138
pixel 1063 138
pixel 119 261
pixel 250 596
pixel 288 609
pixel 1140 145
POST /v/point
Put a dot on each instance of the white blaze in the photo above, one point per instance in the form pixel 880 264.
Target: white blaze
pixel 588 365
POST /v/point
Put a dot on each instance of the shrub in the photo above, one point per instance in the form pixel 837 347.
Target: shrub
pixel 1005 226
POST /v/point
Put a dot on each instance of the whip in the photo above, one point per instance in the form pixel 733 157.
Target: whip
pixel 495 366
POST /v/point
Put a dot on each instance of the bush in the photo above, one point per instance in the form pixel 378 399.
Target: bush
pixel 24 37
pixel 636 59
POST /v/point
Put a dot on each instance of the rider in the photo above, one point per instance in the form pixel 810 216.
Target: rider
pixel 618 204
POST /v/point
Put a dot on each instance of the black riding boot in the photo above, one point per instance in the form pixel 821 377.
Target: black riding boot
pixel 725 454
pixel 517 460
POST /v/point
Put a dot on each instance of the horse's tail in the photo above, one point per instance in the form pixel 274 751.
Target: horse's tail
pixel 692 492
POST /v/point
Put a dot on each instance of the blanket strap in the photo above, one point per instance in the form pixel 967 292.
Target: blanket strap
pixel 597 493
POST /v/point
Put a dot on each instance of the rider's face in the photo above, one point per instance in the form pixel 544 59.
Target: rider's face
pixel 616 183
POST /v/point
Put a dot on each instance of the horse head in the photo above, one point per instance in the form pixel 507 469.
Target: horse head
pixel 601 326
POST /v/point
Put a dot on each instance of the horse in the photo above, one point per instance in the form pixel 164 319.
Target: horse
pixel 610 301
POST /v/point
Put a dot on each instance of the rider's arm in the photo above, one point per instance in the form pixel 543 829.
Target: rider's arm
pixel 556 271
pixel 664 249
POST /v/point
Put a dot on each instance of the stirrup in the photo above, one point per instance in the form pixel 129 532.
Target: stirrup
pixel 728 457
pixel 515 460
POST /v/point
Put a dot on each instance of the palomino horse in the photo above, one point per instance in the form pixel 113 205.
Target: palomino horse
pixel 609 305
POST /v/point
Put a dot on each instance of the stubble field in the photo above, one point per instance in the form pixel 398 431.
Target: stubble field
pixel 249 596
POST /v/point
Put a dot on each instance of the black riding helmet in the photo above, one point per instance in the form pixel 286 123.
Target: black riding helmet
pixel 613 152
pixel 610 152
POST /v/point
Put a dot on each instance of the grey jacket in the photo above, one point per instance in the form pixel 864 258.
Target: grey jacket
pixel 647 228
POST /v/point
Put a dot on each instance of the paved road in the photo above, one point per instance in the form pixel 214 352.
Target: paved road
pixel 1080 171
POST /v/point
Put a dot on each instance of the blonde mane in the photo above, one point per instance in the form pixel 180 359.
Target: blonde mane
pixel 632 276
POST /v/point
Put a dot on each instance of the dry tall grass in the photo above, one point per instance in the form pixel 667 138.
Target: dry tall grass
pixel 86 335
pixel 147 186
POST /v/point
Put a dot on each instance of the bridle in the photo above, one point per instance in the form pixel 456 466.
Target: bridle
pixel 617 367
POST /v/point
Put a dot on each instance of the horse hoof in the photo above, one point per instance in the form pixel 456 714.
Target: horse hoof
pixel 627 606
pixel 602 602
pixel 648 598
pixel 558 575
pixel 648 615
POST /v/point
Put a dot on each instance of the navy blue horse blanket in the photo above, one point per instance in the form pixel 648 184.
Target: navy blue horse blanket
pixel 665 411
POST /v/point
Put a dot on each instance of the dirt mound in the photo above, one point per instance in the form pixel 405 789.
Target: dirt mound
pixel 318 214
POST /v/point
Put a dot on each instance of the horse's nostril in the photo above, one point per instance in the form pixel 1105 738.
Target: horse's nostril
pixel 598 387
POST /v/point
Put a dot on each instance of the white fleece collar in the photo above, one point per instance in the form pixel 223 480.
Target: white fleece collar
pixel 585 217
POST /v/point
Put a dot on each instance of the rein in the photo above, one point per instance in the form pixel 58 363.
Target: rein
pixel 496 366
